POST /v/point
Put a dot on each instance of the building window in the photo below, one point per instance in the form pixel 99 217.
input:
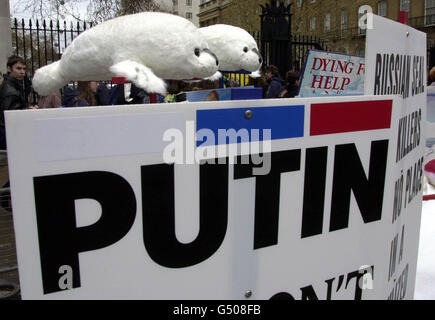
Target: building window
pixel 429 12
pixel 312 23
pixel 313 1
pixel 188 15
pixel 382 8
pixel 188 3
pixel 299 3
pixel 343 26
pixel 299 25
pixel 327 22
pixel 404 5
pixel 343 19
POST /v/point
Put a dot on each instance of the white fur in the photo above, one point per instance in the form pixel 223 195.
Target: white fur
pixel 142 76
pixel 255 74
pixel 228 42
pixel 145 48
pixel 214 77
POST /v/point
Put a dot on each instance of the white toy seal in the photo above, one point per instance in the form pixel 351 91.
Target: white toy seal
pixel 144 48
pixel 235 48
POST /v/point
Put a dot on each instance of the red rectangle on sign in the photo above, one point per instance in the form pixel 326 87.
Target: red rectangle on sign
pixel 328 118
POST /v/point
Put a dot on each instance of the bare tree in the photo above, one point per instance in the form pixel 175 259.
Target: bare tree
pixel 101 10
pixel 134 6
pixel 49 9
pixel 97 10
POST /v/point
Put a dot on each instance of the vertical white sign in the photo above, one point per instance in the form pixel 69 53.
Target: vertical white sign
pixel 396 64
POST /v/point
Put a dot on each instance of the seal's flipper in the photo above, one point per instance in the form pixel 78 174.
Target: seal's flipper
pixel 214 77
pixel 140 75
pixel 255 74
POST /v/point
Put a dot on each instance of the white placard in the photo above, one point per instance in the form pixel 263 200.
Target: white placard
pixel 396 64
pixel 332 74
pixel 316 225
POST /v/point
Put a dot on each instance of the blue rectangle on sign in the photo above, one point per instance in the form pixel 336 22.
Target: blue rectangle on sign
pixel 283 122
pixel 246 93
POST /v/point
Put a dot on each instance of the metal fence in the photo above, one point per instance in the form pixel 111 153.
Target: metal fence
pixel 297 44
pixel 43 42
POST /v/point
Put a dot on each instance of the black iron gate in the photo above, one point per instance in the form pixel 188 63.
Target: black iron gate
pixel 277 45
pixel 42 42
pixel 276 35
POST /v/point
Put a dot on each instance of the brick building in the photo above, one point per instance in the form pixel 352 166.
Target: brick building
pixel 336 21
pixel 333 21
pixel 214 12
pixel 188 9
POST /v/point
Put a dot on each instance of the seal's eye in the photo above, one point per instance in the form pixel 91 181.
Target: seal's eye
pixel 197 52
pixel 245 49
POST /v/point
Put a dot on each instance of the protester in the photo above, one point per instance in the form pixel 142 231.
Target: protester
pixel 12 92
pixel 431 86
pixel 54 100
pixel 89 93
pixel 102 94
pixel 129 93
pixel 174 88
pixel 291 89
pixel 177 90
pixel 276 83
pixel 260 82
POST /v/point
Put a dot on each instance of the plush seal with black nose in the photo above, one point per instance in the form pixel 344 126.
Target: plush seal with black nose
pixel 235 48
pixel 145 48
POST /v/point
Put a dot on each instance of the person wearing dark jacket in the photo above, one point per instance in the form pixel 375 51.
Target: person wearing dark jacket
pixel 12 93
pixel 275 81
pixel 291 89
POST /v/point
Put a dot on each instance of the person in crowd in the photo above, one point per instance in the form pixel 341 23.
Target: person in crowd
pixel 177 91
pixel 89 93
pixel 129 93
pixel 207 84
pixel 102 94
pixel 276 83
pixel 232 83
pixel 431 86
pixel 12 92
pixel 291 89
pixel 174 88
pixel 260 82
pixel 54 100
